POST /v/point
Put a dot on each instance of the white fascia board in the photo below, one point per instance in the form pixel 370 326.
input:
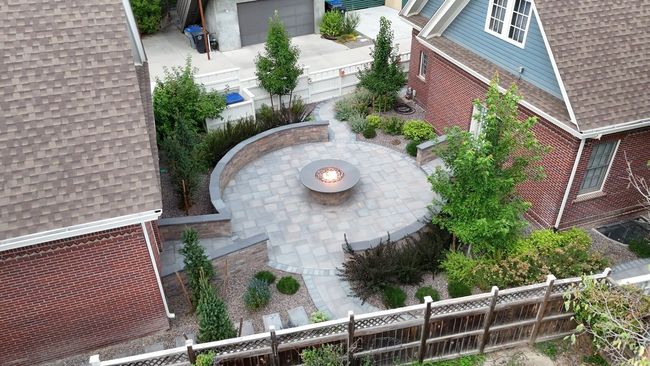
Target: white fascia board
pixel 77 230
pixel 487 81
pixel 445 15
pixel 620 127
pixel 412 7
pixel 437 16
pixel 558 77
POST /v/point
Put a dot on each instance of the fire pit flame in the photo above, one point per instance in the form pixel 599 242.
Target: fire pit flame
pixel 329 175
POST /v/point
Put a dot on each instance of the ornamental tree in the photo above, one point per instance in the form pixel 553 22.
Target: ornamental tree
pixel 197 264
pixel 212 314
pixel 277 68
pixel 385 77
pixel 478 198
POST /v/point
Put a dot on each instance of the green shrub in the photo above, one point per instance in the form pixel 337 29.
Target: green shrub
pixel 148 15
pixel 331 24
pixel 393 125
pixel 358 124
pixel 459 268
pixel 217 143
pixel 595 359
pixel 640 247
pixel 369 132
pixel 457 289
pixel 177 97
pixel 212 314
pixel 257 294
pixel 475 360
pixel 318 317
pixel 418 130
pixel 350 23
pixel 265 276
pixel 326 355
pixel 393 297
pixel 197 264
pixel 185 167
pixel 427 291
pixel 374 120
pixel 205 359
pixel 412 148
pixel 288 285
pixel 268 117
pixel 387 264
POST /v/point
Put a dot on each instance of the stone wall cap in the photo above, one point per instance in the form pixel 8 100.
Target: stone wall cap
pixel 188 220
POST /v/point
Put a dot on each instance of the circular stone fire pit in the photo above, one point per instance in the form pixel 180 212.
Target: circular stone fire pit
pixel 330 181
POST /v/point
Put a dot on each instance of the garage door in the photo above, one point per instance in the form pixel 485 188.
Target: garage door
pixel 362 4
pixel 297 16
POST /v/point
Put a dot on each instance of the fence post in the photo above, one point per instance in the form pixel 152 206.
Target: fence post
pixel 350 337
pixel 275 360
pixel 425 328
pixel 550 280
pixel 341 75
pixel 191 355
pixel 488 318
pixel 94 360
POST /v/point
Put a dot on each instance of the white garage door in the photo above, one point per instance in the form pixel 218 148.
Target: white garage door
pixel 297 16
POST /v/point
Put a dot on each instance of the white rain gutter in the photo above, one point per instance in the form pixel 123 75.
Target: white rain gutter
pixel 155 270
pixel 570 184
pixel 77 230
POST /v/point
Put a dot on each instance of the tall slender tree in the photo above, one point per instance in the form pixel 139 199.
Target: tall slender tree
pixel 277 68
pixel 214 321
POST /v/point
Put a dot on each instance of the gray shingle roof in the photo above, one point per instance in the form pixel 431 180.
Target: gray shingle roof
pixel 73 142
pixel 602 50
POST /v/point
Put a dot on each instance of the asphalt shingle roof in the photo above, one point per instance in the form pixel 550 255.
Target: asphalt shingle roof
pixel 74 146
pixel 602 50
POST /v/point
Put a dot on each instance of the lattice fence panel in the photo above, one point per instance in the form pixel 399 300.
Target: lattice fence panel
pixel 461 306
pixel 313 333
pixel 161 361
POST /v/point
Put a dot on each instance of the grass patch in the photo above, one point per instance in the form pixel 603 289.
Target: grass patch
pixel 474 360
pixel 552 349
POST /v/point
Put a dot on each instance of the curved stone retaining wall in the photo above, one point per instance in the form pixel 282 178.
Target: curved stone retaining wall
pixel 256 146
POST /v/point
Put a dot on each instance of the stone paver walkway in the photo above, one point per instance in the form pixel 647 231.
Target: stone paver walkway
pixel 306 237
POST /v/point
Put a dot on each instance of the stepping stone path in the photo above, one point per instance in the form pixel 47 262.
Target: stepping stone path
pixel 247 328
pixel 272 320
pixel 180 340
pixel 298 316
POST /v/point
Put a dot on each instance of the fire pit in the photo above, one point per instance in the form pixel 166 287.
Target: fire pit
pixel 330 181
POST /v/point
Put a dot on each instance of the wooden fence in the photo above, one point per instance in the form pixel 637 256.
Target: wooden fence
pixel 430 331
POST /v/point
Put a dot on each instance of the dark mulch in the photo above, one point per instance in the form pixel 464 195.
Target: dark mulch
pixel 173 202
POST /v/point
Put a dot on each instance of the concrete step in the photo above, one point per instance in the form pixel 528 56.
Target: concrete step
pixel 272 320
pixel 247 328
pixel 298 316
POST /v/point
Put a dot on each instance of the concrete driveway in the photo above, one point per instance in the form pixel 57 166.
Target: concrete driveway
pixel 170 48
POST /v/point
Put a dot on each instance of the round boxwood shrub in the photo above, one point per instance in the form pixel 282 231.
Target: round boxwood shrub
pixel 257 294
pixel 394 297
pixel 369 132
pixel 288 285
pixel 266 276
pixel 418 130
pixel 458 289
pixel 427 291
pixel 374 120
pixel 412 148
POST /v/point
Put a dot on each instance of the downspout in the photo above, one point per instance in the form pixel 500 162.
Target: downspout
pixel 570 184
pixel 155 269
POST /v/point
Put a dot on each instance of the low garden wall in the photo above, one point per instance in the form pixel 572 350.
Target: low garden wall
pixel 426 151
pixel 397 237
pixel 256 146
pixel 208 226
pixel 242 255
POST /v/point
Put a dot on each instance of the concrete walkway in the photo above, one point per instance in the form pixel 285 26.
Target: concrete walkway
pixel 305 237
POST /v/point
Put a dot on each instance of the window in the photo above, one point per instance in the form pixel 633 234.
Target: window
pixel 509 19
pixel 600 161
pixel 422 72
pixel 478 113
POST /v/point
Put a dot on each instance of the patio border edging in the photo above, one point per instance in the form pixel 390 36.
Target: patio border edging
pixel 395 236
pixel 256 146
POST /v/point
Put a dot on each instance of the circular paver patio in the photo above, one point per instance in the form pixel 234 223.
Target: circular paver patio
pixel 306 237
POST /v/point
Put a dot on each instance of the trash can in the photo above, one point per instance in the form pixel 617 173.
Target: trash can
pixel 334 5
pixel 190 31
pixel 199 41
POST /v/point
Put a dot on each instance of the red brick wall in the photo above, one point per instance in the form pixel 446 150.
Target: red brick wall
pixel 449 95
pixel 64 297
pixel 616 199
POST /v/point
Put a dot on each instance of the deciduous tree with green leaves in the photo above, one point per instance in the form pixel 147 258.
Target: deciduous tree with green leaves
pixel 385 77
pixel 277 68
pixel 478 198
pixel 214 322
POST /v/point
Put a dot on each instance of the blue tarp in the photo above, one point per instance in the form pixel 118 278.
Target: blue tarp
pixel 232 98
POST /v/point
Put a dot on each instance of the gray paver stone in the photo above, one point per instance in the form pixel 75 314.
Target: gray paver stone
pixel 298 316
pixel 272 320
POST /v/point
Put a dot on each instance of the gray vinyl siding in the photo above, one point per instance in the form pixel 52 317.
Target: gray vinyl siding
pixel 431 7
pixel 362 4
pixel 468 30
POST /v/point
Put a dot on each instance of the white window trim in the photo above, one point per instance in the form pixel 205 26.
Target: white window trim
pixel 475 127
pixel 507 23
pixel 423 55
pixel 599 192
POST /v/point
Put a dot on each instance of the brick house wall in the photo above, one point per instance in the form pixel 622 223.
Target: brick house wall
pixel 77 294
pixel 617 199
pixel 447 96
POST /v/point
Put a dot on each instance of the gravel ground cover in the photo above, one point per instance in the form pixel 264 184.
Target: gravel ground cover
pixel 610 249
pixel 437 282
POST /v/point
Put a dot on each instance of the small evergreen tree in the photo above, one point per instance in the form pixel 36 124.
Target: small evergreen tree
pixel 197 264
pixel 277 69
pixel 385 77
pixel 148 15
pixel 214 322
pixel 185 168
pixel 478 198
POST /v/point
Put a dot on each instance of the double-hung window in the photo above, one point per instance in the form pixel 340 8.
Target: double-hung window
pixel 422 72
pixel 509 20
pixel 602 155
